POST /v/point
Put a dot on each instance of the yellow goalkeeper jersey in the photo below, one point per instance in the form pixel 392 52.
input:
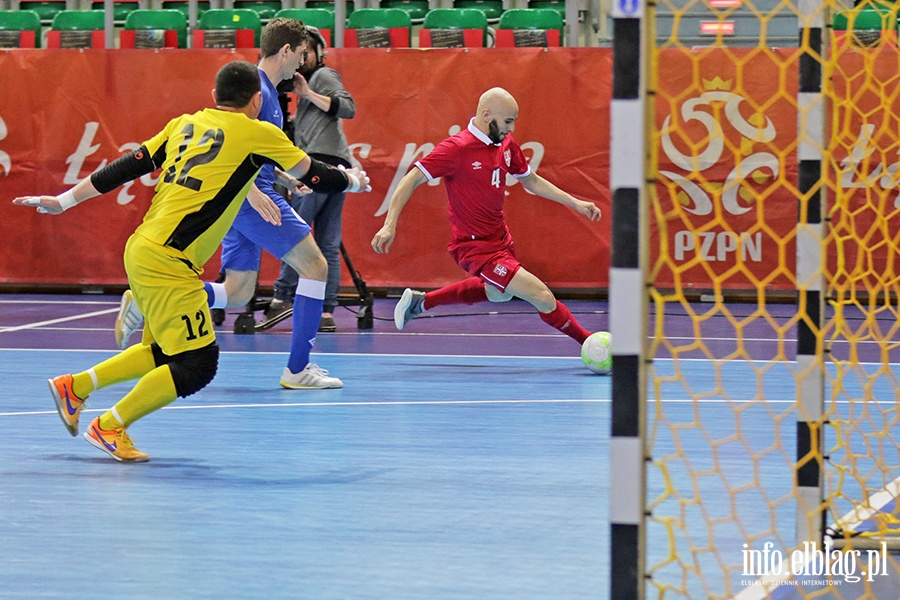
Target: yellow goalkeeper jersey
pixel 211 159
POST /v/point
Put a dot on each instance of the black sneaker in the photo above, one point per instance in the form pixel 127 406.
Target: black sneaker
pixel 277 307
pixel 326 325
pixel 278 311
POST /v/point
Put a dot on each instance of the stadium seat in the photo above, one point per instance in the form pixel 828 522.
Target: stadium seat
pixel 265 10
pixel 183 7
pixel 378 28
pixel 45 10
pixel 867 27
pixel 492 9
pixel 319 18
pixel 557 5
pixel 165 28
pixel 329 5
pixel 524 27
pixel 228 28
pixel 454 28
pixel 121 9
pixel 417 9
pixel 20 29
pixel 77 29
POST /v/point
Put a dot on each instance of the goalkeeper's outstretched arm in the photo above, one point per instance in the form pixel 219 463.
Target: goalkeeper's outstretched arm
pixel 122 170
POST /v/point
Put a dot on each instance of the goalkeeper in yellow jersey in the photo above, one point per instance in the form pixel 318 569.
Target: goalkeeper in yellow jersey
pixel 209 160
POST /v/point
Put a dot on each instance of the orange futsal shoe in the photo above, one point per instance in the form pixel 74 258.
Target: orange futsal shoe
pixel 68 405
pixel 114 442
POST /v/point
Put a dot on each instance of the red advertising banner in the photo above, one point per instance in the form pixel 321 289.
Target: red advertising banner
pixel 726 130
pixel 65 113
pixel 864 208
pixel 726 134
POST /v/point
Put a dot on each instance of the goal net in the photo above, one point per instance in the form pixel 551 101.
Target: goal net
pixel 734 430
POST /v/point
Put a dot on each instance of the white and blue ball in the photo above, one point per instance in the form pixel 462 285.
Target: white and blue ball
pixel 596 353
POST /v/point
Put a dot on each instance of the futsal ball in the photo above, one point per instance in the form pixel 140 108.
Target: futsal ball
pixel 596 353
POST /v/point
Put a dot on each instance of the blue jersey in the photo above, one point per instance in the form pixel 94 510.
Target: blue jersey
pixel 270 112
pixel 241 246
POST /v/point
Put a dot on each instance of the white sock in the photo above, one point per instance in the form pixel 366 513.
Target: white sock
pixel 216 292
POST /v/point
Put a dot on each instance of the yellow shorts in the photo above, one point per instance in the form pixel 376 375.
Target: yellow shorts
pixel 169 291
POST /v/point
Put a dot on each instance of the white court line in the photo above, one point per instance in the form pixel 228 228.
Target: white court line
pixel 465 356
pixel 346 403
pixel 60 320
pixel 225 332
pixel 342 404
pixel 65 302
pixel 284 332
pixel 876 502
pixel 325 354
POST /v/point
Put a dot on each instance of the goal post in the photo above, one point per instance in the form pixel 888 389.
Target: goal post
pixel 811 152
pixel 628 299
pixel 754 294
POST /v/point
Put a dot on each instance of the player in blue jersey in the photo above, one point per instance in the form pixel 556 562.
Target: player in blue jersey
pixel 267 221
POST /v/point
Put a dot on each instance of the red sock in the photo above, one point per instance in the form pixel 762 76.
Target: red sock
pixel 562 319
pixel 467 291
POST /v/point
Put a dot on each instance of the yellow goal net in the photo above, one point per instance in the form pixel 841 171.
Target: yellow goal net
pixel 772 427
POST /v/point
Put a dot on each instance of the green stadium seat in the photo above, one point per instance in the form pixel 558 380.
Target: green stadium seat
pixel 46 10
pixel 454 28
pixel 265 10
pixel 183 7
pixel 320 18
pixel 329 5
pixel 528 27
pixel 121 9
pixel 166 28
pixel 378 28
pixel 866 18
pixel 417 9
pixel 867 27
pixel 77 29
pixel 557 5
pixel 228 28
pixel 492 9
pixel 873 4
pixel 20 29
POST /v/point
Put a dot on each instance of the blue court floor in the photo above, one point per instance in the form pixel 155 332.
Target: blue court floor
pixel 431 474
pixel 466 457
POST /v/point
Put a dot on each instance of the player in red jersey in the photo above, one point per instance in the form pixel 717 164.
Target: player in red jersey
pixel 474 164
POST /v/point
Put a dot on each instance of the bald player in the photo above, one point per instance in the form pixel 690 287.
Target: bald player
pixel 474 164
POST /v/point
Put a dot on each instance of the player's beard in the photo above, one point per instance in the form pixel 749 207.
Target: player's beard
pixel 494 132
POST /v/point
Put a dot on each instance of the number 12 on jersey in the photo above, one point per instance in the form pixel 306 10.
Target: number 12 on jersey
pixel 201 325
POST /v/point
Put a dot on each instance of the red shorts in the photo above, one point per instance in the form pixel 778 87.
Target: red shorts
pixel 494 260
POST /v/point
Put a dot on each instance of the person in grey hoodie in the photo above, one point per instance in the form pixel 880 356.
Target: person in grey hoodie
pixel 322 103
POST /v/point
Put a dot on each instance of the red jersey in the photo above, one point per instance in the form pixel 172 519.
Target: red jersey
pixel 474 171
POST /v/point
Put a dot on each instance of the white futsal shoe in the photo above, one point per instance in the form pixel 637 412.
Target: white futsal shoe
pixel 411 305
pixel 312 377
pixel 129 319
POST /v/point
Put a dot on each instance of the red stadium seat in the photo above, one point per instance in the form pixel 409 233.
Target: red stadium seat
pixel 321 19
pixel 530 27
pixel 20 29
pixel 378 28
pixel 77 29
pixel 154 29
pixel 228 28
pixel 454 28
